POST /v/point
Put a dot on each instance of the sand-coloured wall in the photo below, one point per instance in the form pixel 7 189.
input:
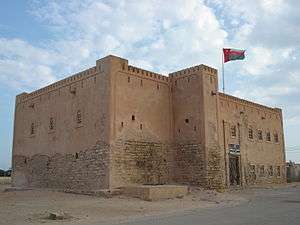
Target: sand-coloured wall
pixel 258 155
pixel 63 127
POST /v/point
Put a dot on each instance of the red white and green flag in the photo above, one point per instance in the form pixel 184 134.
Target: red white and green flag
pixel 233 54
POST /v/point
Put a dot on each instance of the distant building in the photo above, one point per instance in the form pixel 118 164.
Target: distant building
pixel 115 124
pixel 4 173
pixel 293 172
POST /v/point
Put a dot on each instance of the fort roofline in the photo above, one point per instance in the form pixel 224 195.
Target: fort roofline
pixel 59 84
pixel 246 102
pixel 127 68
pixel 147 74
pixel 192 69
pixel 135 71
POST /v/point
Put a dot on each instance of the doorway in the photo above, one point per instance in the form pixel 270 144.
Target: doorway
pixel 234 170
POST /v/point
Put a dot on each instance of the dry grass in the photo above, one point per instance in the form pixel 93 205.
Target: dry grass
pixel 5 180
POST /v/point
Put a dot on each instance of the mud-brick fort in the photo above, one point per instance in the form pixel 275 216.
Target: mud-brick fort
pixel 114 125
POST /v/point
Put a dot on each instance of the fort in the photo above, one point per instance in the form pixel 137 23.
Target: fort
pixel 115 124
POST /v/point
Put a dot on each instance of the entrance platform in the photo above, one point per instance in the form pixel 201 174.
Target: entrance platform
pixel 155 192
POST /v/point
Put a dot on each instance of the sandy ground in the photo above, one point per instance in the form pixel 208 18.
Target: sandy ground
pixel 277 205
pixel 33 206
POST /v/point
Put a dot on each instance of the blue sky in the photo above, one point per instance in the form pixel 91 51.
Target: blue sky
pixel 44 41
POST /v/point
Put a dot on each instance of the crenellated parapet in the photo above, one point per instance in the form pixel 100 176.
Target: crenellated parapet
pixel 145 73
pixel 247 103
pixel 64 82
pixel 192 70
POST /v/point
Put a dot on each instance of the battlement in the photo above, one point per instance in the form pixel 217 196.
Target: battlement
pixel 147 74
pixel 193 69
pixel 246 102
pixel 67 81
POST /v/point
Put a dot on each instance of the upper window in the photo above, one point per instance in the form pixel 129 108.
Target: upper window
pixel 51 123
pixel 79 116
pixel 32 128
pixel 250 133
pixel 233 131
pixel 259 135
pixel 276 139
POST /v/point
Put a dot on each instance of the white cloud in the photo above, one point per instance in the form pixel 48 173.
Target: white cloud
pixel 161 36
pixel 294 120
pixel 261 60
pixel 272 6
pixel 169 35
pixel 24 66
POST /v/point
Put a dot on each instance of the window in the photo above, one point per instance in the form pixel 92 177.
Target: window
pixel 141 83
pixel 278 171
pixel 128 79
pixel 250 133
pixel 262 171
pixel 78 116
pixel 175 82
pixel 73 90
pixel 252 168
pixel 268 136
pixel 141 126
pixel 132 117
pixel 270 171
pixel 188 79
pixel 276 139
pixel 32 128
pixel 51 123
pixel 122 124
pixel 259 135
pixel 233 131
pixel 195 128
pixel 157 86
pixel 252 172
pixel 186 120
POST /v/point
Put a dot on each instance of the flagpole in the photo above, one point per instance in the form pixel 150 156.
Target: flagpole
pixel 223 78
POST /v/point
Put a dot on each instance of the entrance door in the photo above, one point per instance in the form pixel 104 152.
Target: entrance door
pixel 234 170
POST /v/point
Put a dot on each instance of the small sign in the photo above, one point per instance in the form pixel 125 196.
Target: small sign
pixel 234 149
